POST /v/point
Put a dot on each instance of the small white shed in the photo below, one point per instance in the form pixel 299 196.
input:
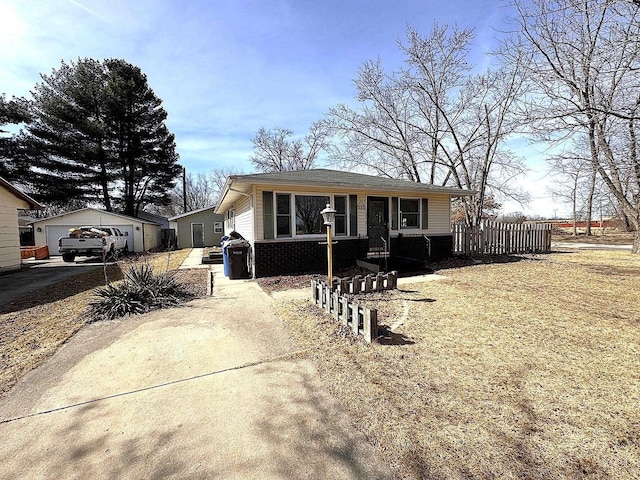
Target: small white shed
pixel 11 199
pixel 142 234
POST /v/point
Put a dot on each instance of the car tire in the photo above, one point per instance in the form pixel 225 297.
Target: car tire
pixel 68 257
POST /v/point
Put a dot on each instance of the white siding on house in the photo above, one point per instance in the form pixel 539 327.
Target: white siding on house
pixel 9 230
pixel 439 215
pixel 244 218
pixel 439 208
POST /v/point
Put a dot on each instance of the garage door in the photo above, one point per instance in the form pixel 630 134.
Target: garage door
pixel 127 229
pixel 54 232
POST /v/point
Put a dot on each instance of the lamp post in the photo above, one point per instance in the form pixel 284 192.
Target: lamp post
pixel 329 215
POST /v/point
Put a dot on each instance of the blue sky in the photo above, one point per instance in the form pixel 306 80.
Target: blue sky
pixel 225 68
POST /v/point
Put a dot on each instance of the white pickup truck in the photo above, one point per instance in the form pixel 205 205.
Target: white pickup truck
pixel 102 241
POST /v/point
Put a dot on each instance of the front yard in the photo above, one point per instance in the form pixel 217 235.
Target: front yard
pixel 516 370
pixel 33 327
pixel 524 369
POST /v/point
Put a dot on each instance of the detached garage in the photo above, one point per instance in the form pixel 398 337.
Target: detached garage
pixel 142 234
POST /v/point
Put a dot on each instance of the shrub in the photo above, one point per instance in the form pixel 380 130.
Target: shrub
pixel 141 291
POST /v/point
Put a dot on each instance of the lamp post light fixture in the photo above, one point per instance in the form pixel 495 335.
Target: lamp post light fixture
pixel 329 215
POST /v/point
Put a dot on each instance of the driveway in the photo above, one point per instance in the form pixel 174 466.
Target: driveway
pixel 36 274
pixel 214 389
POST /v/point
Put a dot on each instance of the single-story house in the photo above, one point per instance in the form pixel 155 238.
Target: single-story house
pixel 279 214
pixel 142 234
pixel 198 228
pixel 11 199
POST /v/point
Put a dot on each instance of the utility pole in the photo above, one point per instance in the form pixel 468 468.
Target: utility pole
pixel 184 190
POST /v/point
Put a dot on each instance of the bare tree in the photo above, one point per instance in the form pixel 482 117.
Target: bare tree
pixel 585 58
pixel 434 121
pixel 379 135
pixel 203 190
pixel 571 178
pixel 276 151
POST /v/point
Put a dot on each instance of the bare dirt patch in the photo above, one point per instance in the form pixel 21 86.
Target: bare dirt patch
pixel 514 370
pixel 34 326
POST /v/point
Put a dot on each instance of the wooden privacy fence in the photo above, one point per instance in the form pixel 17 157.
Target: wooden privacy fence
pixel 368 283
pixel 501 238
pixel 360 320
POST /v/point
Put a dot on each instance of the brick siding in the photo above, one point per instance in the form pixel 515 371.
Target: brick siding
pixel 310 256
pixel 415 247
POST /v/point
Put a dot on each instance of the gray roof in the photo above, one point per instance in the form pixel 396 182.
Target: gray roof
pixel 192 212
pixel 323 176
pixel 333 178
pixel 119 215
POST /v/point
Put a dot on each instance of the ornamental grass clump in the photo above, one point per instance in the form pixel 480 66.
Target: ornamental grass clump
pixel 141 291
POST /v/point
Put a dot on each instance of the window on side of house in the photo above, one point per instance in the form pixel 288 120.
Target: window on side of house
pixel 340 205
pixel 283 215
pixel 409 213
pixel 309 220
pixel 217 227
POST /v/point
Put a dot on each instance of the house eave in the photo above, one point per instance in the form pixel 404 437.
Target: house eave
pixel 238 186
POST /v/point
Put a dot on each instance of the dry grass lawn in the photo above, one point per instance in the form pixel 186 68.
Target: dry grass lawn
pixel 33 327
pixel 514 370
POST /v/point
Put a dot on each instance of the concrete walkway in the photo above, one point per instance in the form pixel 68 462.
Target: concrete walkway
pixel 194 259
pixel 214 389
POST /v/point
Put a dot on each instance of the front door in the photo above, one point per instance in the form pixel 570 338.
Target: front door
pixel 197 235
pixel 377 223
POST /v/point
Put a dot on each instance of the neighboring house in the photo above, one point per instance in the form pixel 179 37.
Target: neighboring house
pixel 279 214
pixel 142 235
pixel 198 228
pixel 11 199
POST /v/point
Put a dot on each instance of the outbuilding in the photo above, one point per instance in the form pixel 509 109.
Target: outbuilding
pixel 142 234
pixel 198 228
pixel 12 199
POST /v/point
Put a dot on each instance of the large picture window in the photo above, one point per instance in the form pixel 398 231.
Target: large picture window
pixel 287 215
pixel 409 213
pixel 308 217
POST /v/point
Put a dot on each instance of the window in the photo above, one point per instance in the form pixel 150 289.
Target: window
pixel 340 225
pixel 283 215
pixel 409 213
pixel 280 210
pixel 309 220
pixel 217 227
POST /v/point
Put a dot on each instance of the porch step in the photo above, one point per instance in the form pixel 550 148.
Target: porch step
pixel 376 254
pixel 213 258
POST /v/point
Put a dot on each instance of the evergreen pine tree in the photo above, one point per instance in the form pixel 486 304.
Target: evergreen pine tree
pixel 97 134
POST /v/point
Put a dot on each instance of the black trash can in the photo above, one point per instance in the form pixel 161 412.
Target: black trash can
pixel 238 259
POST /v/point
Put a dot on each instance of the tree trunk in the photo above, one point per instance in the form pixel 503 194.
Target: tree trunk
pixel 104 178
pixel 589 213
